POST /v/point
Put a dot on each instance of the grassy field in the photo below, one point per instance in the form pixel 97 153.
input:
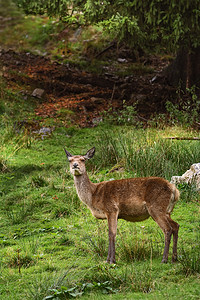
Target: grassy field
pixel 52 247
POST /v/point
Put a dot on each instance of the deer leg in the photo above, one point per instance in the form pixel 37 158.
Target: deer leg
pixel 164 224
pixel 175 227
pixel 112 227
pixel 167 234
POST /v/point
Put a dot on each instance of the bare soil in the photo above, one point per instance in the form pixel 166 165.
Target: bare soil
pixel 83 93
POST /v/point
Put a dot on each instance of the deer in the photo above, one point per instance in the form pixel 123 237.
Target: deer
pixel 133 199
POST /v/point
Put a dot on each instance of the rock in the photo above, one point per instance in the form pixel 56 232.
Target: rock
pixel 191 176
pixel 122 60
pixel 38 93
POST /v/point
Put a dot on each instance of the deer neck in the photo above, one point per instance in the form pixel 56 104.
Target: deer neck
pixel 84 188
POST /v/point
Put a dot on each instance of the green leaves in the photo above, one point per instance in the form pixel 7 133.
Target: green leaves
pixel 137 23
pixel 80 289
pixel 124 28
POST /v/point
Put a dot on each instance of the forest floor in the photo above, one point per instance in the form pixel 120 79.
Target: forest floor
pixel 84 93
pixel 119 77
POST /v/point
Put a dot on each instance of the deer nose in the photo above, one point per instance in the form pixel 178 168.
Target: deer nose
pixel 75 165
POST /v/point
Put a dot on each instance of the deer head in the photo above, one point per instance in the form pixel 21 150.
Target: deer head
pixel 77 162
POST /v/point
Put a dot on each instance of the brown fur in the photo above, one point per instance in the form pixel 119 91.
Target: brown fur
pixel 133 199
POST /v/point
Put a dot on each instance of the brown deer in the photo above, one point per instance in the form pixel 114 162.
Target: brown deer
pixel 133 199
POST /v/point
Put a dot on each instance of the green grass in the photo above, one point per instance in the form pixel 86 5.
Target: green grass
pixel 26 33
pixel 50 245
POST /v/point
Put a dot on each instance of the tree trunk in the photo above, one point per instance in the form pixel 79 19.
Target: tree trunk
pixel 184 72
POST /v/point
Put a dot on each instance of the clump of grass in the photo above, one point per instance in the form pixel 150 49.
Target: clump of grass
pixel 17 259
pixel 38 181
pixel 97 245
pixel 18 214
pixel 190 260
pixel 65 240
pixel 16 217
pixel 133 248
pixel 145 153
pixel 188 192
pixel 129 279
pixel 103 279
pixel 62 211
pixel 31 244
pixel 41 286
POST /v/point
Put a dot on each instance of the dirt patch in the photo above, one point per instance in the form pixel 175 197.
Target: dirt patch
pixel 87 95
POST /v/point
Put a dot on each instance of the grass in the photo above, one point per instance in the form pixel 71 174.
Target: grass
pixel 26 33
pixel 51 246
pixel 137 150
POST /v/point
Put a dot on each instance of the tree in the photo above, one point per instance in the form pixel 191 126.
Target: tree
pixel 174 24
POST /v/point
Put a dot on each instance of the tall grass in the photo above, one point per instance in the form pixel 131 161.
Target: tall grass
pixel 190 256
pixel 146 153
pixel 135 247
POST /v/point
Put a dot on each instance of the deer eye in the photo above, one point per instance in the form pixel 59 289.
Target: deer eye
pixel 82 159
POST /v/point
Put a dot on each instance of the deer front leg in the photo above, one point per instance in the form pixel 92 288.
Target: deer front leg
pixel 112 229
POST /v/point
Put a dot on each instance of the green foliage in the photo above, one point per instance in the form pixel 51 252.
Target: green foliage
pixel 173 22
pixel 63 8
pixel 81 289
pixel 124 28
pixel 186 111
pixel 125 116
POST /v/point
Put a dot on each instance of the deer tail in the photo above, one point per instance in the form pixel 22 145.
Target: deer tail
pixel 174 198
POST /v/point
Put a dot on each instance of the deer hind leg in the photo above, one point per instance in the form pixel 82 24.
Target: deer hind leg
pixel 112 226
pixel 165 223
pixel 175 228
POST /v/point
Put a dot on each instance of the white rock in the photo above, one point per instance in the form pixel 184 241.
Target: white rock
pixel 122 60
pixel 190 176
pixel 38 93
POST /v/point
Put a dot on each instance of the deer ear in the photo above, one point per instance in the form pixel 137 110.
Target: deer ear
pixel 90 153
pixel 68 154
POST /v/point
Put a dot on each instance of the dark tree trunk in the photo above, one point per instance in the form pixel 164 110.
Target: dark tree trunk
pixel 184 72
